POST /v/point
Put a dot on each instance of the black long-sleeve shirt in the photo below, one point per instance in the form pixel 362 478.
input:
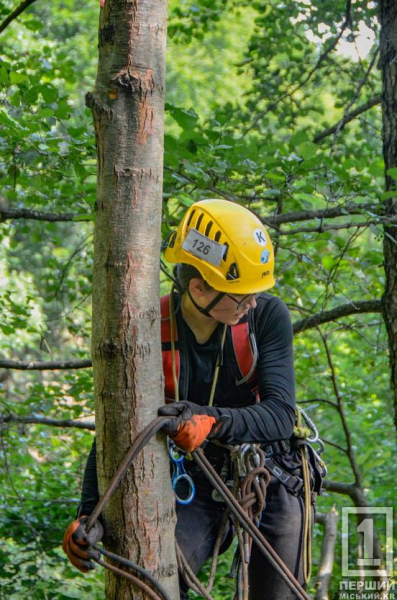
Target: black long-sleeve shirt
pixel 269 420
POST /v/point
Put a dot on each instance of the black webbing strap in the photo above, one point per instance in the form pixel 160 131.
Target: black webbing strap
pixel 293 483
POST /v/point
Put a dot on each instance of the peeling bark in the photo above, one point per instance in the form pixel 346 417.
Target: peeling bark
pixel 128 111
pixel 388 66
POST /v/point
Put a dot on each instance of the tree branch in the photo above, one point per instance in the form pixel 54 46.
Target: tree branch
pixel 67 423
pixel 330 522
pixel 23 6
pixel 337 487
pixel 45 366
pixel 326 213
pixel 321 228
pixel 344 310
pixel 333 404
pixel 335 445
pixel 36 215
pixel 346 119
pixel 270 220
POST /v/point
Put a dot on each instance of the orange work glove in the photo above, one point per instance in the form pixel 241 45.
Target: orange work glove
pixel 192 433
pixel 190 424
pixel 76 544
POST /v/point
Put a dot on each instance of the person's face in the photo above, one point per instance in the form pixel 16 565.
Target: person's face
pixel 230 308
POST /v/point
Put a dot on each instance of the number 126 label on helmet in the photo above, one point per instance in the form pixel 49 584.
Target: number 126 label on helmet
pixel 199 245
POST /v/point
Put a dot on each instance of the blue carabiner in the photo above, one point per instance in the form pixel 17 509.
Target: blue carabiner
pixel 179 474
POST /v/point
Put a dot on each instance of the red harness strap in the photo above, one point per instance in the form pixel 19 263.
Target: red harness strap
pixel 243 350
pixel 169 384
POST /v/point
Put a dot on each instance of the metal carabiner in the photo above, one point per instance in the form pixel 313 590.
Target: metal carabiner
pixel 255 457
pixel 179 474
pixel 322 446
pixel 311 426
pixel 241 466
pixel 320 461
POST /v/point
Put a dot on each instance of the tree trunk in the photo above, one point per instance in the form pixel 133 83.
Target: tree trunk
pixel 388 65
pixel 128 111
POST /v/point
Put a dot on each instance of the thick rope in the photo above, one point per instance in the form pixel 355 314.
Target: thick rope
pixel 252 498
pixel 307 534
pixel 140 441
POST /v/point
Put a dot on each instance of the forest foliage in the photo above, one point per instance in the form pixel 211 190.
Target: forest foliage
pixel 259 105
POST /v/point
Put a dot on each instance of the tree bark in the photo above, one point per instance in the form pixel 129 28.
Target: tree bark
pixel 388 66
pixel 128 111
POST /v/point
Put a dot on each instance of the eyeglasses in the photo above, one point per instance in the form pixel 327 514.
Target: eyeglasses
pixel 246 300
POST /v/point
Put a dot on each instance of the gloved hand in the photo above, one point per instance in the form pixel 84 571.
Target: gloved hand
pixel 190 424
pixel 76 543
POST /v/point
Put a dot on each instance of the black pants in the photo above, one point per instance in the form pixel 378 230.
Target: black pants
pixel 281 523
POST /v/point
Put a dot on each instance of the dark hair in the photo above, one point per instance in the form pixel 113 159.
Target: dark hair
pixel 183 273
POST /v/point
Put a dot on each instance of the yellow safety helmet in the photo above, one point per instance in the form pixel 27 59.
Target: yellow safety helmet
pixel 227 243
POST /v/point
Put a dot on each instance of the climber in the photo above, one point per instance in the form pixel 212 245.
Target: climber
pixel 229 379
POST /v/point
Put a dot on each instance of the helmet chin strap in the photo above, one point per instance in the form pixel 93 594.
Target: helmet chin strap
pixel 206 311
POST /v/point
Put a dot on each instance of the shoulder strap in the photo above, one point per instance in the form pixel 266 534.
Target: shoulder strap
pixel 169 383
pixel 245 350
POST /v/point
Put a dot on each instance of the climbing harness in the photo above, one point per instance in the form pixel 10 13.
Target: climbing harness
pixel 242 340
pixel 179 475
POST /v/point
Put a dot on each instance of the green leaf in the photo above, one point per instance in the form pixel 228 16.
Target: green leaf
pixel 6 120
pixel 30 96
pixel 389 194
pixel 3 75
pixel 16 78
pixel 392 172
pixel 307 150
pixel 186 119
pixel 49 93
pixel 328 262
pixel 191 146
pixel 34 25
pixel 298 138
pixel 63 110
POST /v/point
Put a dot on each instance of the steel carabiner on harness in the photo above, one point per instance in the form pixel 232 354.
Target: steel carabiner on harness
pixel 314 438
pixel 179 474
